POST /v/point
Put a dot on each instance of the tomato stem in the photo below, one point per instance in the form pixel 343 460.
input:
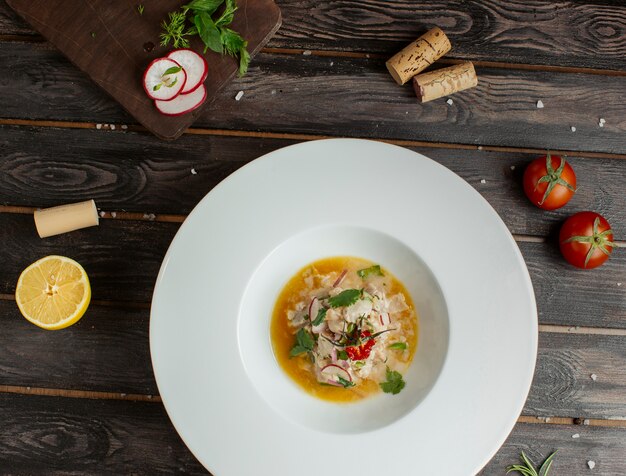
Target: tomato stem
pixel 553 177
pixel 597 241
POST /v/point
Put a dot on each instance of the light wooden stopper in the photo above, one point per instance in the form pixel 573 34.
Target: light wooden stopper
pixel 64 218
pixel 417 56
pixel 446 81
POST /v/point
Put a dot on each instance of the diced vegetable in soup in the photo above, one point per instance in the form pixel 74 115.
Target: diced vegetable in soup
pixel 344 328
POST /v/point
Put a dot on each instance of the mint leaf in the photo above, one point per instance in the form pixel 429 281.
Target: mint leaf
pixel 226 18
pixel 371 271
pixel 232 41
pixel 321 314
pixel 394 383
pixel 304 343
pixel 209 33
pixel 207 6
pixel 172 70
pixel 244 59
pixel 398 346
pixel 345 298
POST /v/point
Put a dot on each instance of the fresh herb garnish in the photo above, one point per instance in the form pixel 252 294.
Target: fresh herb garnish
pixel 196 18
pixel 394 383
pixel 304 343
pixel 345 298
pixel 528 468
pixel 342 355
pixel 344 382
pixel 172 70
pixel 140 9
pixel 398 346
pixel 93 34
pixel 321 314
pixel 359 364
pixel 157 87
pixel 371 271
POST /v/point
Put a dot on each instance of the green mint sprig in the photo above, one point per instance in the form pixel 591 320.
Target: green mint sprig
pixel 200 17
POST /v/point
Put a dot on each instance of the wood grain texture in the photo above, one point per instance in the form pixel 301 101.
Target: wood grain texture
pixel 109 353
pixel 107 40
pixel 123 257
pixel 106 351
pixel 157 176
pixel 63 436
pixel 605 446
pixel 306 94
pixel 573 33
pixel 563 386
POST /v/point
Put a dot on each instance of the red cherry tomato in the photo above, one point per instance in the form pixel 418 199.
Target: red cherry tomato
pixel 549 182
pixel 586 239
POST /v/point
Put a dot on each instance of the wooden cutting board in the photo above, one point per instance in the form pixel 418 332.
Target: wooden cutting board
pixel 113 43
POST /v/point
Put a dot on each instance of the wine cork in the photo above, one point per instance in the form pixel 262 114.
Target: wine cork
pixel 417 56
pixel 446 81
pixel 64 218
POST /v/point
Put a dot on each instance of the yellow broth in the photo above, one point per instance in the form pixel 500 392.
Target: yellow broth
pixel 282 335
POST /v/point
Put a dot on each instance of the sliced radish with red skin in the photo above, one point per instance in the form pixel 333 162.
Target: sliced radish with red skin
pixel 314 308
pixel 194 65
pixel 340 278
pixel 333 371
pixel 385 319
pixel 164 79
pixel 183 103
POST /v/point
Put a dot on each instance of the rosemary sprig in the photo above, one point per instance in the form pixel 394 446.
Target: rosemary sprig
pixel 528 468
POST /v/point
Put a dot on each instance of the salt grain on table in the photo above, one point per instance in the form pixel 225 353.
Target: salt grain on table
pixel 101 214
pixel 483 181
pixel 98 126
pixel 576 435
pixel 332 63
pixel 450 102
pixel 540 104
pixel 573 129
pixel 306 53
pixel 594 377
pixel 193 172
pixel 239 96
pixel 591 464
pixel 512 167
pixel 113 214
pixel 586 421
pixel 112 127
pixel 124 126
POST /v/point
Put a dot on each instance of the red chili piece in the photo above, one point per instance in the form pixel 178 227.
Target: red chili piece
pixel 363 351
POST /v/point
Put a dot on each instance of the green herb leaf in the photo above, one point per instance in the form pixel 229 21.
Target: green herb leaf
pixel 226 18
pixel 140 9
pixel 172 83
pixel 321 314
pixel 345 298
pixel 344 382
pixel 209 33
pixel 244 59
pixel 398 346
pixel 371 271
pixel 359 364
pixel 174 30
pixel 172 70
pixel 304 343
pixel 342 355
pixel 157 87
pixel 207 6
pixel 394 383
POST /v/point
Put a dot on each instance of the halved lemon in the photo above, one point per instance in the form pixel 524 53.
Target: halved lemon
pixel 53 292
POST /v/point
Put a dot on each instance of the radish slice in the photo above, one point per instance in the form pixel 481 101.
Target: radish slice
pixel 332 373
pixel 182 103
pixel 164 79
pixel 385 319
pixel 340 278
pixel 194 65
pixel 314 308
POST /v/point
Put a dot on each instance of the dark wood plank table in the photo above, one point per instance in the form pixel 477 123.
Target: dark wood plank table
pixel 84 400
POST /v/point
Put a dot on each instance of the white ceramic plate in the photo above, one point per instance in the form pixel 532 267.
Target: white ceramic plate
pixel 209 329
